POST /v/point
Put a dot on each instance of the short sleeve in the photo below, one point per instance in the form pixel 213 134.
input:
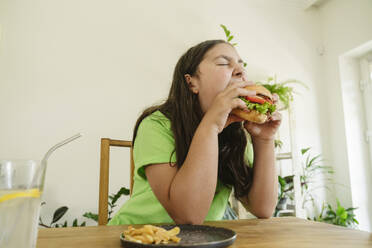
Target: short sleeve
pixel 154 143
pixel 248 155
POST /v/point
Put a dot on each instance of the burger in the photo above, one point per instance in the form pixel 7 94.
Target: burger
pixel 259 107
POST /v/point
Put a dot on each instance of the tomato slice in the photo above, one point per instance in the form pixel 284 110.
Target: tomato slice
pixel 255 99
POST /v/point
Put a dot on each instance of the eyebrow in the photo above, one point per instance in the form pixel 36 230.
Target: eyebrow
pixel 227 58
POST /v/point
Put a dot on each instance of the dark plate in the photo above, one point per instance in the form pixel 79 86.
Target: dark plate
pixel 192 236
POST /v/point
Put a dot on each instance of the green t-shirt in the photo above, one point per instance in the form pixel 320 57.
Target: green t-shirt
pixel 154 145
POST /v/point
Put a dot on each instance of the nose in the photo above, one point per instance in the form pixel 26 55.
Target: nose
pixel 238 70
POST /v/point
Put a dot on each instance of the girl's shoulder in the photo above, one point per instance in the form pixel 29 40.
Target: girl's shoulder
pixel 158 115
pixel 157 118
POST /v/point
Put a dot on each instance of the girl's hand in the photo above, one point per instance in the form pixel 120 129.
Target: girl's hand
pixel 267 130
pixel 218 114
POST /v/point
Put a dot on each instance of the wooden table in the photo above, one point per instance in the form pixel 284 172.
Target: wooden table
pixel 274 232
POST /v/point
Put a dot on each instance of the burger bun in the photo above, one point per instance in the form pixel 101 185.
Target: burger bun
pixel 252 115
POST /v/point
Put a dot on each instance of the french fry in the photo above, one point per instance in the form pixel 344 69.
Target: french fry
pixel 130 238
pixel 175 239
pixel 174 231
pixel 157 240
pixel 150 234
pixel 148 229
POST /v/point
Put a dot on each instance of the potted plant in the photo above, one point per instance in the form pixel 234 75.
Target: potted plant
pixel 312 167
pixel 338 216
pixel 61 211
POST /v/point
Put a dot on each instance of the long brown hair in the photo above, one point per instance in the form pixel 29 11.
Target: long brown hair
pixel 183 109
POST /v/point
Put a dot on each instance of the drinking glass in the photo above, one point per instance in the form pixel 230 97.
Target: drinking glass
pixel 21 186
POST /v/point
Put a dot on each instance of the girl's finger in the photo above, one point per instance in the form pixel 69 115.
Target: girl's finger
pixel 234 118
pixel 253 127
pixel 238 103
pixel 236 92
pixel 275 98
pixel 238 84
pixel 276 116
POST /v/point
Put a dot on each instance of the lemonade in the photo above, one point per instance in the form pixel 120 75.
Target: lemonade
pixel 21 185
pixel 19 212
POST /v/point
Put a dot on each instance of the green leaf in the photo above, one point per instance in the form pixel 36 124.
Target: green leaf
pixel 344 215
pixel 289 179
pixel 75 223
pixel 262 108
pixel 341 212
pixel 304 150
pixel 313 160
pixel 234 44
pixel 91 216
pixel 351 209
pixel 122 191
pixel 338 203
pixel 328 218
pixel 65 224
pixel 284 92
pixel 330 212
pixel 278 143
pixel 245 64
pixel 294 81
pixel 328 169
pixel 83 224
pixel 230 38
pixel 227 32
pixel 281 181
pixel 58 214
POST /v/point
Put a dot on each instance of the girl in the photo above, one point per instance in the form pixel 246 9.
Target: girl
pixel 189 152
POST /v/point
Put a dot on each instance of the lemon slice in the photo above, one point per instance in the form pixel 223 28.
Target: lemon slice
pixel 35 193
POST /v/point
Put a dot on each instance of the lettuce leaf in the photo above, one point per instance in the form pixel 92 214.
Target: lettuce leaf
pixel 261 108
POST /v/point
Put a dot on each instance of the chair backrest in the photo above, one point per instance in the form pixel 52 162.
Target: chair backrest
pixel 104 175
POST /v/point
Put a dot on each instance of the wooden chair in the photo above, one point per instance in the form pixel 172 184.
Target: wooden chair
pixel 104 175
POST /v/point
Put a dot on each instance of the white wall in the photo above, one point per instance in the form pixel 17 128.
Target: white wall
pixel 92 66
pixel 346 25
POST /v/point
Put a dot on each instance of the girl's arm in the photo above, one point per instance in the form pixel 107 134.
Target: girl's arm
pixel 262 197
pixel 187 193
